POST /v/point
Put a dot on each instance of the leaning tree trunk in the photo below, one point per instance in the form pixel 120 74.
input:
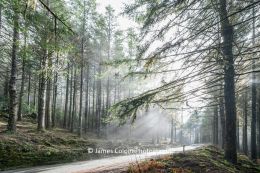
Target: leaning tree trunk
pixel 227 32
pixel 12 83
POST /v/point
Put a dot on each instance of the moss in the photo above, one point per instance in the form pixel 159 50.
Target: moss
pixel 207 160
pixel 29 148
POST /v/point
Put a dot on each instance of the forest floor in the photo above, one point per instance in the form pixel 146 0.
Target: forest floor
pixel 206 159
pixel 28 148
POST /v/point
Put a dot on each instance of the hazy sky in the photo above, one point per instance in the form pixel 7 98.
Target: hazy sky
pixel 118 6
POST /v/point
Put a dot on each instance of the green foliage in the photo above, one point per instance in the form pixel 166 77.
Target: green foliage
pixel 128 108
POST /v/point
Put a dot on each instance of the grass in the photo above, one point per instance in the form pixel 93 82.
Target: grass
pixel 28 147
pixel 205 160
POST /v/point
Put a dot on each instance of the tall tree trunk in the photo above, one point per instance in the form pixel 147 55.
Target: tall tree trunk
pixel 6 89
pixel 181 130
pixel 229 87
pixel 55 82
pixel 67 96
pixel 245 146
pixel 253 102
pixel 12 83
pixel 41 94
pixel 215 126
pixel 86 99
pixel 34 94
pixel 54 102
pixel 238 138
pixel 99 90
pixel 19 114
pixel 258 125
pixel 1 20
pixel 29 90
pixel 74 100
pixel 108 94
pixel 42 82
pixel 172 126
pixel 222 120
pixel 81 71
pixel 81 89
pixel 71 97
pixel 48 95
pixel 115 92
pixel 108 57
pixel 93 100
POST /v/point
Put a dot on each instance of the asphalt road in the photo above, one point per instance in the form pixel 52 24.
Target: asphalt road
pixel 102 165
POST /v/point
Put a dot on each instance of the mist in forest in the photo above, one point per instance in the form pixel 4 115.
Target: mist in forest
pixel 148 127
pixel 83 73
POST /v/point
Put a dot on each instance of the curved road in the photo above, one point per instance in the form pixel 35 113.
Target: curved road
pixel 102 165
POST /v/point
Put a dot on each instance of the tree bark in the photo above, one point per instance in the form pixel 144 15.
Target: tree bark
pixel 34 94
pixel 172 124
pixel 258 125
pixel 55 81
pixel 238 138
pixel 29 90
pixel 12 83
pixel 41 94
pixel 81 89
pixel 215 134
pixel 71 97
pixel 227 32
pixel 74 100
pixel 245 145
pixel 54 102
pixel 223 121
pixel 19 114
pixel 66 97
pixel 48 95
pixel 86 100
pixel 99 90
pixel 93 100
pixel 253 102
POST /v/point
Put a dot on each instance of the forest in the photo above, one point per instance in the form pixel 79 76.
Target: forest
pixel 174 83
